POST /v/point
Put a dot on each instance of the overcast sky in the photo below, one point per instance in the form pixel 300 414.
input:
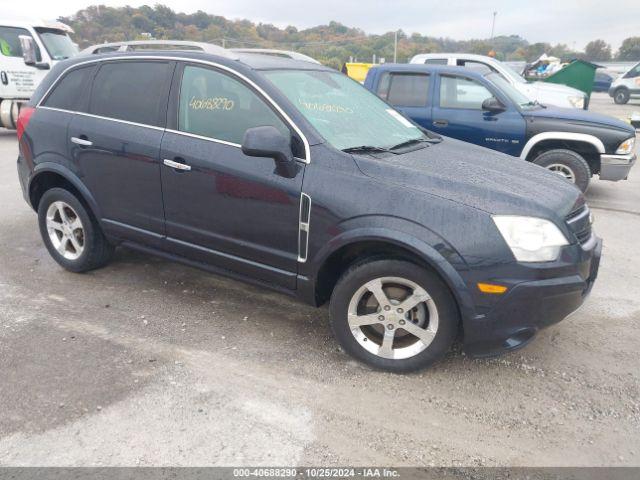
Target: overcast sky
pixel 573 22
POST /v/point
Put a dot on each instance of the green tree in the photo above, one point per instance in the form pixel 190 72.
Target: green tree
pixel 598 51
pixel 630 49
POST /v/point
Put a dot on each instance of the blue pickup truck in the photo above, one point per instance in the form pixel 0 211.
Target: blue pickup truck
pixel 486 110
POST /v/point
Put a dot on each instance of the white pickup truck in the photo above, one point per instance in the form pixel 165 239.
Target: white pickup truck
pixel 546 93
pixel 27 51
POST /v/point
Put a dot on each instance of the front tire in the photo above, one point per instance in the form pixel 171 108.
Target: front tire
pixel 567 163
pixel 393 315
pixel 621 96
pixel 71 233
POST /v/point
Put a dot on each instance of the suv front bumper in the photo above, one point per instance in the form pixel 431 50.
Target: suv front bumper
pixel 530 306
pixel 616 167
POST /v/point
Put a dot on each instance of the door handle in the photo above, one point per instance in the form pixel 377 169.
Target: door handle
pixel 440 123
pixel 177 165
pixel 83 142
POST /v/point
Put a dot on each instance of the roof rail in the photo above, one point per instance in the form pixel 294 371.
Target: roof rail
pixel 278 53
pixel 159 45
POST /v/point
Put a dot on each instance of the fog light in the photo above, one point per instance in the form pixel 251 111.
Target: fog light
pixel 491 288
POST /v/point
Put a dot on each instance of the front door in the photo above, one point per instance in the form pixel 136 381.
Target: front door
pixel 117 146
pixel 221 206
pixel 458 113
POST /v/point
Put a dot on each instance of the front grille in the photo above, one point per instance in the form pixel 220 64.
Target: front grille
pixel 579 222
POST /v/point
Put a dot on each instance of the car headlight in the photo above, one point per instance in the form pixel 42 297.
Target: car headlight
pixel 626 147
pixel 531 239
pixel 576 101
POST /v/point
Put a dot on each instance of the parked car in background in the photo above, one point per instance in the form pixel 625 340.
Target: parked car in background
pixel 626 86
pixel 602 82
pixel 290 175
pixel 545 93
pixel 27 51
pixel 488 111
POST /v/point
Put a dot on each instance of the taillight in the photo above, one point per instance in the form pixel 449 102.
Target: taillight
pixel 23 120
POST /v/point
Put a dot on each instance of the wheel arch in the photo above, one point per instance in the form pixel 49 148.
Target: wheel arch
pixel 49 175
pixel 370 243
pixel 588 146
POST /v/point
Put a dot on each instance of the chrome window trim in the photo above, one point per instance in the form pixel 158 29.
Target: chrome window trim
pixel 304 227
pixel 84 114
pixel 257 88
pixel 202 137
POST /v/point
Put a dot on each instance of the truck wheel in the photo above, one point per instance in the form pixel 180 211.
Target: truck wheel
pixel 621 96
pixel 70 233
pixel 568 164
pixel 393 315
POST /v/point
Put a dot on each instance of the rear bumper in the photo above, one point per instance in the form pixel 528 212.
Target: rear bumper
pixel 616 167
pixel 530 306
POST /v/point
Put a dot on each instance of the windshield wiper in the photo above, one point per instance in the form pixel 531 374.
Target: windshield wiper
pixel 415 141
pixel 365 149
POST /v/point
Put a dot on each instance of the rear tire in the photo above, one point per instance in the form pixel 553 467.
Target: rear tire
pixel 71 234
pixel 621 96
pixel 567 163
pixel 374 318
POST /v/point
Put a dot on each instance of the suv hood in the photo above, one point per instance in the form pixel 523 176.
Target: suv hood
pixel 477 177
pixel 582 116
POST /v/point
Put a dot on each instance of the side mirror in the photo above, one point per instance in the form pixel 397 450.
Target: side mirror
pixel 493 105
pixel 269 142
pixel 28 49
pixel 29 54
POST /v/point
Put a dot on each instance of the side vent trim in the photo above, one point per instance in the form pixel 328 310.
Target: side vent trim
pixel 304 225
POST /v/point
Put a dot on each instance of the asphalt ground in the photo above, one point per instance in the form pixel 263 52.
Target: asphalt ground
pixel 149 363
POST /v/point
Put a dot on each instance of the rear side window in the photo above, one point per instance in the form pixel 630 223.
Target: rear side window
pixel 132 91
pixel 215 105
pixel 408 89
pixel 69 92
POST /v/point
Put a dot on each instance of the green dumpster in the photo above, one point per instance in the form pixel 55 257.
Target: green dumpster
pixel 578 74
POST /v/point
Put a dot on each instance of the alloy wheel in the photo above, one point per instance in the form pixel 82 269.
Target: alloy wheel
pixel 65 230
pixel 563 170
pixel 393 317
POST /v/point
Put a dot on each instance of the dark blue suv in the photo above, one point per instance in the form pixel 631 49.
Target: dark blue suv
pixel 290 175
pixel 485 109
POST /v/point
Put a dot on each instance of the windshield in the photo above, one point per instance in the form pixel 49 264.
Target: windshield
pixel 346 114
pixel 512 74
pixel 57 43
pixel 515 95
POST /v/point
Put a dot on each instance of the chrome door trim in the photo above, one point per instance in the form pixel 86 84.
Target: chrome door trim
pixel 177 165
pixel 292 124
pixel 81 141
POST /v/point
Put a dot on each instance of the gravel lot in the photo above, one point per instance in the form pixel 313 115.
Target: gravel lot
pixel 147 362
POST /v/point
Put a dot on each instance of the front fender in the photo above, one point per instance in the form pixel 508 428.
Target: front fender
pixel 439 256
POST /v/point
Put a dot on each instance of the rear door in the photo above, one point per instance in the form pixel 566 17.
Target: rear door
pixel 115 144
pixel 409 92
pixel 223 207
pixel 458 113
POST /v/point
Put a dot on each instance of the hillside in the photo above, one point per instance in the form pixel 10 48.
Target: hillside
pixel 332 44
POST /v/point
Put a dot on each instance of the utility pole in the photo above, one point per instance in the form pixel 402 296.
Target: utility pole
pixel 395 47
pixel 493 24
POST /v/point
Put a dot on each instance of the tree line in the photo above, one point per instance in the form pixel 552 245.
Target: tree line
pixel 332 44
